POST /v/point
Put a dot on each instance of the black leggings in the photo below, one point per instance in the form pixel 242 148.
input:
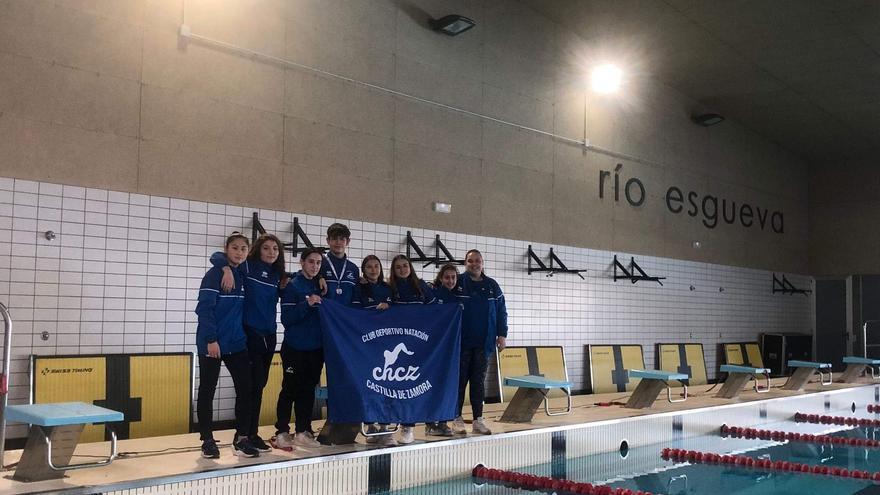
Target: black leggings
pixel 238 365
pixel 302 373
pixel 472 368
pixel 261 349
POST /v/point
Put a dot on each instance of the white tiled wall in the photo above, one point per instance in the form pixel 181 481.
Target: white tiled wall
pixel 123 273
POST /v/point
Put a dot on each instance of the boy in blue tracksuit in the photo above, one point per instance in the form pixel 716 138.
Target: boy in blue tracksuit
pixel 483 328
pixel 264 274
pixel 302 354
pixel 220 337
pixel 337 270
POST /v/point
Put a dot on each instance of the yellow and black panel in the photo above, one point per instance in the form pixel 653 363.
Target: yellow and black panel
pixel 683 358
pixel 72 379
pixel 164 397
pixel 546 361
pixel 744 353
pixel 152 391
pixel 268 415
pixel 609 364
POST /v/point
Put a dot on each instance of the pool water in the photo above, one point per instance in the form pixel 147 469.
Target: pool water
pixel 643 469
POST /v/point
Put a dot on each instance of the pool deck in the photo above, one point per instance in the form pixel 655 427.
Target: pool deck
pixel 186 458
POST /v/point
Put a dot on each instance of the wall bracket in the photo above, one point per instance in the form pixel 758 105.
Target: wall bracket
pixel 439 247
pixel 786 287
pixel 541 267
pixel 634 273
pixel 298 235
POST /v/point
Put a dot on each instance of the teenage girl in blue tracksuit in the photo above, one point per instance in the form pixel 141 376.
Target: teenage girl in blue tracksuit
pixel 483 328
pixel 446 286
pixel 407 288
pixel 264 275
pixel 220 337
pixel 447 291
pixel 375 293
pixel 302 353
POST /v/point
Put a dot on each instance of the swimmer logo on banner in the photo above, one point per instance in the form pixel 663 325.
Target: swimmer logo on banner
pixel 396 365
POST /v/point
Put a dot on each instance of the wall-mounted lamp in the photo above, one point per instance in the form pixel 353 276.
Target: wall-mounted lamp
pixel 707 119
pixel 606 79
pixel 442 207
pixel 452 24
pixel 697 244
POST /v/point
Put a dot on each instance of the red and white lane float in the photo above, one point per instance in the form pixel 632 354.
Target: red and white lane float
pixel 531 482
pixel 824 419
pixel 745 462
pixel 779 436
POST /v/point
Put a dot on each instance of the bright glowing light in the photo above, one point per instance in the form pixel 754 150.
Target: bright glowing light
pixel 606 79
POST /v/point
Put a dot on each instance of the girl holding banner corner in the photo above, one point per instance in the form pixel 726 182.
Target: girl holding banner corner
pixel 302 354
pixel 408 288
pixel 448 291
pixel 372 292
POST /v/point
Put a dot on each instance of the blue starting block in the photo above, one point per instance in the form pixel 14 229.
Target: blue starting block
pixel 738 376
pixel 53 435
pixel 531 391
pixel 652 382
pixel 804 370
pixel 856 365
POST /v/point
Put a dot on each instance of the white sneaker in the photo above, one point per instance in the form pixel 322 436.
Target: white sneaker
pixel 480 427
pixel 305 439
pixel 458 426
pixel 406 435
pixel 282 441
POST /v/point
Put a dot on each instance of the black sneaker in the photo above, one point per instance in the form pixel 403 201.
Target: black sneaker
pixel 210 450
pixel 259 444
pixel 243 448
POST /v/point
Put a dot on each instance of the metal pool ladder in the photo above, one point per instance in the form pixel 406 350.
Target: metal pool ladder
pixel 4 376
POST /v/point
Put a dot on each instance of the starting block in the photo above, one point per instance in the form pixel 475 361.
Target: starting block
pixel 804 370
pixel 530 392
pixel 336 433
pixel 650 385
pixel 738 376
pixel 855 366
pixel 53 436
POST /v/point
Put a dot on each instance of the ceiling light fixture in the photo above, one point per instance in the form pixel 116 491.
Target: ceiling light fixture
pixel 606 79
pixel 452 24
pixel 707 119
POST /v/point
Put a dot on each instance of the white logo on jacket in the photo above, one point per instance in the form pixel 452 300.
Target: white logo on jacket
pixel 399 374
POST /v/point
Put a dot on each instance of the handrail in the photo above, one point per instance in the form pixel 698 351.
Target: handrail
pixel 4 377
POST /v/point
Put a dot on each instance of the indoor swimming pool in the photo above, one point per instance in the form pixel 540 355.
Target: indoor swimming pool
pixel 647 470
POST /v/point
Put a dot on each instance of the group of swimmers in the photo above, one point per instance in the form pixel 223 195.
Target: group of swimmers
pixel 236 309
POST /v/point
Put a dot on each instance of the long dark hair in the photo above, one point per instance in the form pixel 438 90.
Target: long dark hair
pixel 316 280
pixel 413 278
pixel 438 280
pixel 366 288
pixel 278 266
